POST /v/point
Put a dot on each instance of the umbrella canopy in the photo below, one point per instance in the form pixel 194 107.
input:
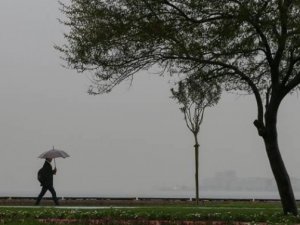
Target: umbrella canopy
pixel 54 153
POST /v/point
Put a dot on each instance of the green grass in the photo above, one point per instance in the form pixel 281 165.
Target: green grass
pixel 228 212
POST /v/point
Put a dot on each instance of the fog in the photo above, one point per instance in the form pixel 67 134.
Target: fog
pixel 130 142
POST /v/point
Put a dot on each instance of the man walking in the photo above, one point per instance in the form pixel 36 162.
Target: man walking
pixel 45 176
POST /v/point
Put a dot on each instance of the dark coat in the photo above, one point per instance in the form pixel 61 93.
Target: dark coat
pixel 47 174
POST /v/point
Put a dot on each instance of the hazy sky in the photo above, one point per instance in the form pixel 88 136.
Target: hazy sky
pixel 131 142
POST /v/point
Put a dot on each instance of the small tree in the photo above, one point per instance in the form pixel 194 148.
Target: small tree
pixel 195 96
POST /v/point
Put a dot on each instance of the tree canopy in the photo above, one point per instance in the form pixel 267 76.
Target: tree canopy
pixel 242 40
pixel 194 96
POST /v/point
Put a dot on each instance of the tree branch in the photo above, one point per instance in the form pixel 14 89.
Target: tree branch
pixel 264 39
pixel 195 20
pixel 283 36
pixel 292 84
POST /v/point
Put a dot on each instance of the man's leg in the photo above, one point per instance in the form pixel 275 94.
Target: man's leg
pixel 39 198
pixel 53 192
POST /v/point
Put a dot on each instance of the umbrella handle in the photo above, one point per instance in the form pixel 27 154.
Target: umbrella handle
pixel 54 163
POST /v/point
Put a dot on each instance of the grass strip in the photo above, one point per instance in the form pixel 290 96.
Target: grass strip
pixel 244 212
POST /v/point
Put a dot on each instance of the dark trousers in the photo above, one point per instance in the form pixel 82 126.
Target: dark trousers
pixel 43 192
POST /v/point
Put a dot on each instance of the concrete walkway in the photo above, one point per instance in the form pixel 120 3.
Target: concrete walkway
pixel 69 207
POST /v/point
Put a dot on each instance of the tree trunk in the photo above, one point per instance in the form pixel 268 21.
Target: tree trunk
pixel 197 169
pixel 277 165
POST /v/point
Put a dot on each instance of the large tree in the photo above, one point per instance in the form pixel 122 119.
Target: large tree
pixel 248 45
pixel 194 96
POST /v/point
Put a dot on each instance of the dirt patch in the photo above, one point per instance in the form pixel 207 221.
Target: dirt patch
pixel 107 221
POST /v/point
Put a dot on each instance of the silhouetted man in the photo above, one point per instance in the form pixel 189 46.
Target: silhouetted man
pixel 45 176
